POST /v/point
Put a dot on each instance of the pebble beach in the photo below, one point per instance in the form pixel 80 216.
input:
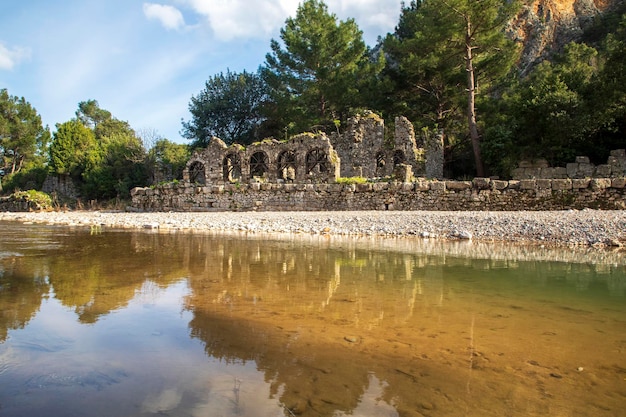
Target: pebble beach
pixel 554 228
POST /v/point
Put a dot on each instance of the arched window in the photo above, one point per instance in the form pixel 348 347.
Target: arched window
pixel 258 164
pixel 232 168
pixel 398 158
pixel 380 160
pixel 197 174
pixel 316 162
pixel 287 166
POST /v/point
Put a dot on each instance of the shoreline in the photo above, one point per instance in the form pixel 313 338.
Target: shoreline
pixel 586 228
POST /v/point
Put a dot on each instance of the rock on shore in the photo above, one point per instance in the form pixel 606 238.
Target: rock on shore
pixel 557 228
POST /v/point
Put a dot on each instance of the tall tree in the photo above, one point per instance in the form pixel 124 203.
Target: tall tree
pixel 72 148
pixel 229 107
pixel 316 74
pixel 457 46
pixel 99 151
pixel 23 139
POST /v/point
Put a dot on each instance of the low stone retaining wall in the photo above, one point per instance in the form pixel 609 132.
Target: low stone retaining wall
pixel 478 194
pixel 19 205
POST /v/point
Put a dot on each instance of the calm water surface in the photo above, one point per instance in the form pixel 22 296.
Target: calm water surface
pixel 143 324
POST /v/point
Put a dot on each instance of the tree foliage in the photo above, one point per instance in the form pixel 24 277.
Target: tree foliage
pixel 23 139
pixel 315 76
pixel 100 152
pixel 72 149
pixel 167 160
pixel 446 53
pixel 229 107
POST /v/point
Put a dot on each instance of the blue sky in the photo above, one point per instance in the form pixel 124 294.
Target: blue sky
pixel 143 61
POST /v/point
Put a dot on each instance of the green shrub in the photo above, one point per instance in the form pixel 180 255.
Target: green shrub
pixel 40 200
pixel 351 180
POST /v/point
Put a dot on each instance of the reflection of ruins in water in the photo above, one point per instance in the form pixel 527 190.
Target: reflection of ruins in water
pixel 333 322
pixel 325 322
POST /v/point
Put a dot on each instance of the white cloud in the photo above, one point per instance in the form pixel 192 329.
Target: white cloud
pixel 169 16
pixel 230 19
pixel 243 19
pixel 9 58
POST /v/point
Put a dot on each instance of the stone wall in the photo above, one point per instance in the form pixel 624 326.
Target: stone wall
pixel 478 194
pixel 60 185
pixel 362 151
pixel 305 157
pixel 580 168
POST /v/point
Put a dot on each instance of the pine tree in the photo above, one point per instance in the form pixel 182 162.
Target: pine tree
pixel 458 49
pixel 316 74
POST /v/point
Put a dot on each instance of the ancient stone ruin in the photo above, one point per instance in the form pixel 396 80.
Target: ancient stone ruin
pixel 402 172
pixel 362 151
pixel 579 169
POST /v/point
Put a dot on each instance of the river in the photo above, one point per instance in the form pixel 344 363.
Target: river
pixel 134 323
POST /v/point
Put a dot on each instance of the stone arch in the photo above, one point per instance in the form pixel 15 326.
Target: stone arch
pixel 232 167
pixel 398 158
pixel 287 165
pixel 381 163
pixel 197 173
pixel 259 164
pixel 316 162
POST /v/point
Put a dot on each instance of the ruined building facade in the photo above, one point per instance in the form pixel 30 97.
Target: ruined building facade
pixel 362 151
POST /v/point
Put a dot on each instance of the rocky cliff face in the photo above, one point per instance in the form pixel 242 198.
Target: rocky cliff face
pixel 546 26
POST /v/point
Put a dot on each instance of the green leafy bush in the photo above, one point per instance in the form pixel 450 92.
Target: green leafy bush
pixel 39 199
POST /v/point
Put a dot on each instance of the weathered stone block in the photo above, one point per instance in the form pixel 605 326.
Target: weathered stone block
pixel 600 183
pixel 458 185
pixel 525 164
pixel 379 186
pixel 528 184
pixel 514 185
pixel 603 171
pixel 437 186
pixel 499 184
pixel 541 163
pixel 619 153
pixel 481 183
pixel 561 184
pixel 533 173
pixel 572 170
pixel 582 159
pixel 544 184
pixel 289 188
pixel 618 182
pixel 422 185
pixel 559 172
pixel 586 170
pixel 580 183
pixel 408 186
pixel 364 188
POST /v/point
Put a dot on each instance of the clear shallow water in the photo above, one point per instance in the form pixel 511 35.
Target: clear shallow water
pixel 140 324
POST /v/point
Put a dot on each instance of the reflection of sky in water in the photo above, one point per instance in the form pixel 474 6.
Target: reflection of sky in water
pixel 146 324
pixel 142 356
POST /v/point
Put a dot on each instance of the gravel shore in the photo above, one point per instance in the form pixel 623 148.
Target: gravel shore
pixel 554 228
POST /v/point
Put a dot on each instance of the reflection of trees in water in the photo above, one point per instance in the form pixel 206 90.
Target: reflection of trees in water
pixel 22 287
pixel 290 308
pixel 96 274
pixel 293 308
